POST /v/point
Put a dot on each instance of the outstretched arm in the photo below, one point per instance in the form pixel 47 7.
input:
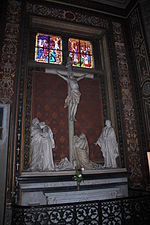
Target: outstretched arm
pixel 62 76
pixel 80 78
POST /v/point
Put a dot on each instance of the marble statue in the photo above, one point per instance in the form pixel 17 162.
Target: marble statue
pixel 109 146
pixel 64 164
pixel 81 153
pixel 74 94
pixel 42 144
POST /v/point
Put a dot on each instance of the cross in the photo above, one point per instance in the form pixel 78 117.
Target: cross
pixel 19 121
pixel 17 166
pixel 18 150
pixel 72 101
pixel 16 181
pixel 18 136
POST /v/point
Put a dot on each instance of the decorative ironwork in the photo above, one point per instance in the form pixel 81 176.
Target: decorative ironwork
pixel 46 215
pixel 136 211
pixel 87 213
pixel 111 212
pixel 123 211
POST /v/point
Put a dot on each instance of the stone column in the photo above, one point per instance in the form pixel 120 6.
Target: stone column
pixel 4 126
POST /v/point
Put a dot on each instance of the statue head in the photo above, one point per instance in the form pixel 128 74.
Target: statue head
pixel 82 135
pixel 35 121
pixel 42 125
pixel 108 123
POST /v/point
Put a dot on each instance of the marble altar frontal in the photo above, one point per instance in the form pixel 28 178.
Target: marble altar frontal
pixel 51 188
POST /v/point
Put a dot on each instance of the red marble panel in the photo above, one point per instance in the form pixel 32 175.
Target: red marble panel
pixel 49 93
pixel 89 115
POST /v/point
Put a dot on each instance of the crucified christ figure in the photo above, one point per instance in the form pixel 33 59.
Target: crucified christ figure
pixel 74 94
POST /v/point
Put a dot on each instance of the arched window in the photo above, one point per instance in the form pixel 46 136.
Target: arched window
pixel 48 49
pixel 81 53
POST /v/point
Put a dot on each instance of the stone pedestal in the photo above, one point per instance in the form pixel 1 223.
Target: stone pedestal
pixel 59 187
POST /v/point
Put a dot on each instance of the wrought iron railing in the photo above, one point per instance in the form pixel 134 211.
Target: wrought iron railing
pixel 130 211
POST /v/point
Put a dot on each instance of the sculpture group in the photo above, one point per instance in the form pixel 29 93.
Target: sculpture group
pixel 42 140
pixel 42 145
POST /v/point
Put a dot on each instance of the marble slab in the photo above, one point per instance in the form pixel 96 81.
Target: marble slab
pixel 59 187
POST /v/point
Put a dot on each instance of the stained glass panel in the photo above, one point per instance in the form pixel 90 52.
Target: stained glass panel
pixel 55 56
pixel 73 45
pixel 41 55
pixel 81 53
pixel 85 47
pixel 86 61
pixel 75 59
pixel 55 43
pixel 42 40
pixel 48 49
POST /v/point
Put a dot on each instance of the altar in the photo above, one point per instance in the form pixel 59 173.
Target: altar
pixel 59 187
pixel 59 140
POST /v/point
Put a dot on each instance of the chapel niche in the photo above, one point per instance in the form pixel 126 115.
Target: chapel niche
pixel 45 92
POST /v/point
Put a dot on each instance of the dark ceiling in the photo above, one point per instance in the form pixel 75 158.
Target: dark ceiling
pixel 119 8
pixel 116 3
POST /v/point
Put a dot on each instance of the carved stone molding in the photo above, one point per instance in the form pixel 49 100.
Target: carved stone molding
pixel 142 63
pixel 67 15
pixel 129 115
pixel 9 52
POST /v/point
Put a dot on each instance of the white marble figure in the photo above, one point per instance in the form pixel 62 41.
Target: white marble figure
pixel 109 146
pixel 81 153
pixel 42 143
pixel 64 164
pixel 74 94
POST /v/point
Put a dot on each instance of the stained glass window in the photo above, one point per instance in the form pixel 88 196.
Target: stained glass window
pixel 81 53
pixel 48 49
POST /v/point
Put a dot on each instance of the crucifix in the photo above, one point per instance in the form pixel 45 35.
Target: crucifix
pixel 72 100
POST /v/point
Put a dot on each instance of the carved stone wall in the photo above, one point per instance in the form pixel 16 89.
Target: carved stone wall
pixel 133 150
pixel 67 14
pixel 145 11
pixel 9 43
pixel 142 66
pixel 9 52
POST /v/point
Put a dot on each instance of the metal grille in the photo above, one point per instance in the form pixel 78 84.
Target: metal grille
pixel 125 211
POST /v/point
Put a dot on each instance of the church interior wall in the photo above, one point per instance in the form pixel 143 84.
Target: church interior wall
pixel 124 80
pixel 145 16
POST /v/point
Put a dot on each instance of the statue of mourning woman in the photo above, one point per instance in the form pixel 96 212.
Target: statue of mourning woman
pixel 109 146
pixel 81 153
pixel 42 145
